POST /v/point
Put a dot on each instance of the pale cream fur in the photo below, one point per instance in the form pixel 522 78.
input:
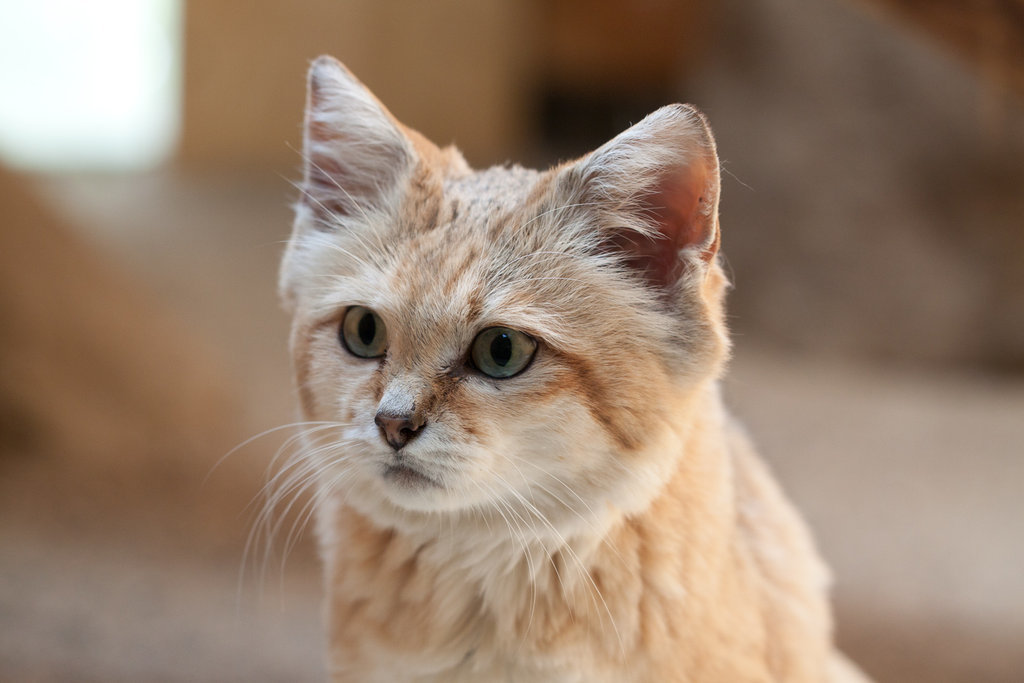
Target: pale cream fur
pixel 598 517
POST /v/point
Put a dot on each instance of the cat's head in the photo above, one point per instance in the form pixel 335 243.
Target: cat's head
pixel 504 338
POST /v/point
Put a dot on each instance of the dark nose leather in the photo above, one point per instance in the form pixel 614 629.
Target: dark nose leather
pixel 399 430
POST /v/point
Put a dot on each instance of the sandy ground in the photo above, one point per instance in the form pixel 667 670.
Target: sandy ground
pixel 911 479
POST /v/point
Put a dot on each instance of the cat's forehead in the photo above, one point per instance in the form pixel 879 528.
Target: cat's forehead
pixel 475 236
pixel 499 189
pixel 478 226
pixel 475 263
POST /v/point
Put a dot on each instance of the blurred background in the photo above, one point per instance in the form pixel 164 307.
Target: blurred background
pixel 873 219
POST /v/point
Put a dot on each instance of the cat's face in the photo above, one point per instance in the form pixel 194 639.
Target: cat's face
pixel 503 339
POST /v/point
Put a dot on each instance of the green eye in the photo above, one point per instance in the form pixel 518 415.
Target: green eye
pixel 501 352
pixel 363 333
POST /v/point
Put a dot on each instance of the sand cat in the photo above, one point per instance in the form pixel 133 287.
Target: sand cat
pixel 524 469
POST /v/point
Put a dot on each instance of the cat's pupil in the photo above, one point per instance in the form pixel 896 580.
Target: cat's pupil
pixel 501 349
pixel 367 329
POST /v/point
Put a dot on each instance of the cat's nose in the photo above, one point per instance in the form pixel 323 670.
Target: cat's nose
pixel 399 430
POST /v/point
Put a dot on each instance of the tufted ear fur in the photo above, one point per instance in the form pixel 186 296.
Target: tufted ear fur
pixel 655 190
pixel 355 152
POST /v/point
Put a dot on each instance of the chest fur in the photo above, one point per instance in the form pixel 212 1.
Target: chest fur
pixel 443 610
pixel 638 606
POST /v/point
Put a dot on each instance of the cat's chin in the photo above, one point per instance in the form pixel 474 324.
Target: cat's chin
pixel 410 488
pixel 408 478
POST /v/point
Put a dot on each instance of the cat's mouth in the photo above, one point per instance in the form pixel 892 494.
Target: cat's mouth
pixel 406 476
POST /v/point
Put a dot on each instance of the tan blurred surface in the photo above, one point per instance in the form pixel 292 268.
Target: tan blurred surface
pixel 121 545
pixel 873 223
pixel 912 483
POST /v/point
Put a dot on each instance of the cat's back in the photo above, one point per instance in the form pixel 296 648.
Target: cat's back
pixel 783 557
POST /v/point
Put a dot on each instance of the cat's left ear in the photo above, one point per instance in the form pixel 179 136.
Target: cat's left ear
pixel 356 154
pixel 655 189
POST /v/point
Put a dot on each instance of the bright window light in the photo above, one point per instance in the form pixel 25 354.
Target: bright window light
pixel 89 84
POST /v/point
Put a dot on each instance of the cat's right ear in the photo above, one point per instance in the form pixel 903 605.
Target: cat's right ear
pixel 654 192
pixel 355 153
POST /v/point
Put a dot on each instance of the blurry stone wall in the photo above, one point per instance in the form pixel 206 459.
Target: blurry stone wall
pixel 873 205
